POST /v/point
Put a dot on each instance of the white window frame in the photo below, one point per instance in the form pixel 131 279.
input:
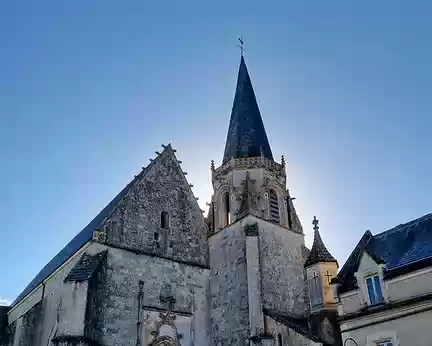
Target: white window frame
pixel 372 277
pixel 377 339
pixel 361 282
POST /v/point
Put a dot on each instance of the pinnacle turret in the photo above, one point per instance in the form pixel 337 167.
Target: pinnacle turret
pixel 319 252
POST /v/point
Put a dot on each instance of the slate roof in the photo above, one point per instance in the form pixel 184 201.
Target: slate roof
pixel 298 324
pixel 83 237
pixel 85 267
pixel 246 134
pixel 319 252
pixel 404 248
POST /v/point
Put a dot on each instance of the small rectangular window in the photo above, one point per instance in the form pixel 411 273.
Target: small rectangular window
pixel 374 290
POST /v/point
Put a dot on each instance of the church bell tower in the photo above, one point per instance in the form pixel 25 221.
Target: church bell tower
pixel 249 181
pixel 256 239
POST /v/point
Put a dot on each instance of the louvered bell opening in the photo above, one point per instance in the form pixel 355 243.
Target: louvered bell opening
pixel 274 207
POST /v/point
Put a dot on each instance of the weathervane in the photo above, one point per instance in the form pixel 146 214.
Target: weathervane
pixel 241 44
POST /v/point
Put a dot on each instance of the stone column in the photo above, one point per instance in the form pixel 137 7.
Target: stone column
pixel 256 316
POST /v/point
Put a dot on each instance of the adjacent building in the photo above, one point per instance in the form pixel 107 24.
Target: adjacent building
pixel 384 290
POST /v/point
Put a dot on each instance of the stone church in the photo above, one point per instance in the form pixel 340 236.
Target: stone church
pixel 150 269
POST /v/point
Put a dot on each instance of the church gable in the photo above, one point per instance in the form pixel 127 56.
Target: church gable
pixel 159 215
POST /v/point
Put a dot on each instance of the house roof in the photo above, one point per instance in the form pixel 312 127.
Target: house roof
pixel 246 134
pixel 83 237
pixel 404 248
pixel 298 324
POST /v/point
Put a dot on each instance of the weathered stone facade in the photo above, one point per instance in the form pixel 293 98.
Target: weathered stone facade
pixel 150 270
pixel 229 287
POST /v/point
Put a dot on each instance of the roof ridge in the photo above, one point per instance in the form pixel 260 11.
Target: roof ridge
pixel 403 226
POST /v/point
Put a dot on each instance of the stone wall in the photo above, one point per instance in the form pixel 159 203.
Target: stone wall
pixel 136 223
pixel 31 327
pixel 409 286
pixel 283 274
pixel 48 303
pixel 95 300
pixel 229 287
pixel 120 323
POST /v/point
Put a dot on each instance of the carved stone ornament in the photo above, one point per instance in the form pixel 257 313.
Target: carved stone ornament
pixel 164 340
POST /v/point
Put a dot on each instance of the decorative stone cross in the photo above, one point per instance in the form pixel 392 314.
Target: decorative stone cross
pixel 315 224
pixel 329 276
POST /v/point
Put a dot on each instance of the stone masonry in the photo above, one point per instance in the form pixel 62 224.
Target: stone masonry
pixel 150 270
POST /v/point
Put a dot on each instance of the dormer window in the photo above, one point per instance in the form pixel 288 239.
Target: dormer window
pixel 373 286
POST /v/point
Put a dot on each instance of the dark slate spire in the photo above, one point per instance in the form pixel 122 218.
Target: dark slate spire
pixel 319 252
pixel 246 134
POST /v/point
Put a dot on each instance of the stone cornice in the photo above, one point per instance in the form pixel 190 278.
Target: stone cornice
pixel 248 163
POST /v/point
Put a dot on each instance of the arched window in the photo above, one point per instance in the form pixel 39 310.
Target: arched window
pixel 279 339
pixel 274 207
pixel 164 220
pixel 226 209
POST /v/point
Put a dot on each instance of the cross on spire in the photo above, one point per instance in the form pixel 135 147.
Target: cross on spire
pixel 315 224
pixel 241 44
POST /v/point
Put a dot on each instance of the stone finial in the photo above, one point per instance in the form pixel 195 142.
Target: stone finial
pixel 283 160
pixel 212 166
pixel 315 224
pixel 319 252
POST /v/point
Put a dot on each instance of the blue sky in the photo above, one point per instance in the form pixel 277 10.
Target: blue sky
pixel 90 89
